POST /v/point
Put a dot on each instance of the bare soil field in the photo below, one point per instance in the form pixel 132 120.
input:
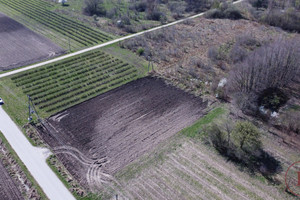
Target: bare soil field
pixel 8 188
pixel 21 46
pixel 99 137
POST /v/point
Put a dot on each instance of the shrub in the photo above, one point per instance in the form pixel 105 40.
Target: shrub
pixel 233 13
pixel 287 19
pixel 246 136
pixel 94 7
pixel 259 3
pixel 141 6
pixel 272 98
pixel 228 13
pixel 291 121
pixel 140 51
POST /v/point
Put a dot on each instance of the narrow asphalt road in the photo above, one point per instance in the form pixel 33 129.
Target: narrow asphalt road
pixel 35 160
pixel 101 45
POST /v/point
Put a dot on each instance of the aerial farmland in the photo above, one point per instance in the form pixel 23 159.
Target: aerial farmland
pixel 21 46
pixel 148 99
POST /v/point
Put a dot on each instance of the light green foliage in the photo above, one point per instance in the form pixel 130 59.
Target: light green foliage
pixel 246 136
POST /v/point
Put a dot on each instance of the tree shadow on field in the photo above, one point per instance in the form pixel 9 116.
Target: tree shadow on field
pixel 259 162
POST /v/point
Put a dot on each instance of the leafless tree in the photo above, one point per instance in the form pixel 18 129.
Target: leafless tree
pixel 272 66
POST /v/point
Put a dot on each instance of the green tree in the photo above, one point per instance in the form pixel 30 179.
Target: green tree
pixel 246 136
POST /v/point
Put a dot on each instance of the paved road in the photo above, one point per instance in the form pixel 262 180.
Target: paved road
pixel 35 160
pixel 101 45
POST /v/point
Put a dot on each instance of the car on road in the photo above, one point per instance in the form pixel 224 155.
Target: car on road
pixel 1 101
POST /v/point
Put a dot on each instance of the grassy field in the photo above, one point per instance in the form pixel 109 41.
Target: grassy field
pixel 68 33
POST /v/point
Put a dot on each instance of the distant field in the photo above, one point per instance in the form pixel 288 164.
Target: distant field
pixel 58 86
pixel 21 46
pixel 64 31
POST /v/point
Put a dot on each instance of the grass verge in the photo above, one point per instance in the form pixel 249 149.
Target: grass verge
pixel 193 131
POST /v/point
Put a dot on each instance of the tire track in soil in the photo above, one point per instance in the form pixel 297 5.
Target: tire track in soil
pixel 95 177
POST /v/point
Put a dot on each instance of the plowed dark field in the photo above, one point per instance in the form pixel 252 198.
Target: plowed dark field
pixel 20 46
pixel 8 189
pixel 97 138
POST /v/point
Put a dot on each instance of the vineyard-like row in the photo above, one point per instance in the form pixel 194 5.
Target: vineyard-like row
pixel 71 30
pixel 58 86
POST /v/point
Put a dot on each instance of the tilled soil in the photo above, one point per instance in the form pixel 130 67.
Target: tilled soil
pixel 8 189
pixel 20 46
pixel 99 137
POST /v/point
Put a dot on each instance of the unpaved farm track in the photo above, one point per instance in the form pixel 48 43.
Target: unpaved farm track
pixel 110 131
pixel 20 46
pixel 8 189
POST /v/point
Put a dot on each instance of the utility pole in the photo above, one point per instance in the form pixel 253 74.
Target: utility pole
pixel 31 110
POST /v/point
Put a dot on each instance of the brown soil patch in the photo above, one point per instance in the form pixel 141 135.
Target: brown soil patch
pixel 21 46
pixel 99 137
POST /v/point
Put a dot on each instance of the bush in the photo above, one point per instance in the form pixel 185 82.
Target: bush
pixel 291 121
pixel 246 137
pixel 259 3
pixel 156 15
pixel 287 20
pixel 94 7
pixel 232 13
pixel 228 13
pixel 272 98
pixel 141 6
pixel 140 51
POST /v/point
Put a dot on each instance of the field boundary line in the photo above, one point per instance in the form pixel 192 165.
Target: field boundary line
pixel 104 44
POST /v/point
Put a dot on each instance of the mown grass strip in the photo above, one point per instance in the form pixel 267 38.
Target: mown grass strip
pixel 193 131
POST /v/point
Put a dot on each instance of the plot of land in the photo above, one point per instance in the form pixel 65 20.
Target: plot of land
pixel 192 171
pixel 21 46
pixel 63 31
pixel 106 133
pixel 58 86
pixel 8 189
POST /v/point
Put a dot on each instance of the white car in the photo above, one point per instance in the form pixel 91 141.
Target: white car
pixel 1 101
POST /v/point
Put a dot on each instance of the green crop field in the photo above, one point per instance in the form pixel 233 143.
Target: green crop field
pixel 65 32
pixel 58 86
